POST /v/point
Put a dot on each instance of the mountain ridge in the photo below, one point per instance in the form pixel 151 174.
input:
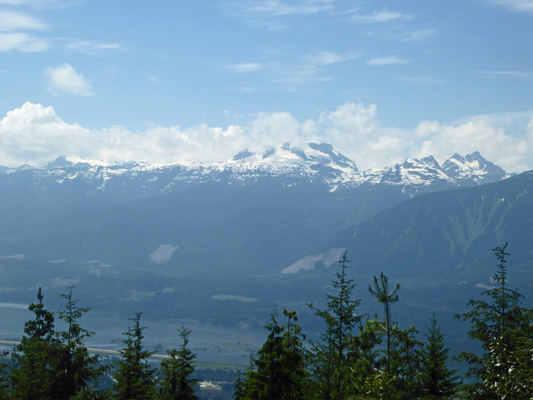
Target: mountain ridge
pixel 318 163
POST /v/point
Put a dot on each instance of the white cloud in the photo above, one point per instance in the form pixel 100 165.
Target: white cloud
pixel 322 58
pixel 390 60
pixel 419 35
pixel 12 21
pixel 88 47
pixel 12 35
pixel 279 7
pixel 22 42
pixel 380 16
pixel 39 4
pixel 65 79
pixel 34 134
pixel 295 72
pixel 515 5
pixel 247 67
pixel 511 149
pixel 507 74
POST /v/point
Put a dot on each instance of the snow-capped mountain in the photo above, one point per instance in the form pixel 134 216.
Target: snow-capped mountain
pixel 252 213
pixel 472 169
pixel 315 163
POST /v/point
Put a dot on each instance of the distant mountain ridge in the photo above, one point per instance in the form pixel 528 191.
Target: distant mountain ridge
pixel 315 163
pixel 125 232
pixel 253 214
pixel 442 234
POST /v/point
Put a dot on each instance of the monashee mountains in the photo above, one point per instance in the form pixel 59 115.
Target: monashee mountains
pixel 225 243
pixel 254 214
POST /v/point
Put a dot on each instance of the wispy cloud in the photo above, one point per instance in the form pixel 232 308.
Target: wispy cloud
pixel 418 35
pixel 389 60
pixel 419 80
pixel 515 5
pixel 16 23
pixel 88 47
pixel 322 58
pixel 277 15
pixel 291 71
pixel 64 79
pixel 280 7
pixel 40 4
pixel 507 74
pixel 22 42
pixel 246 67
pixel 380 16
pixel 13 21
pixel 13 25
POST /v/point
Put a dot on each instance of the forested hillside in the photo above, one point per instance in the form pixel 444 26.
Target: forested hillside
pixel 357 356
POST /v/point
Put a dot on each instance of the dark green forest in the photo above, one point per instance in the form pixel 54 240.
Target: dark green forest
pixel 356 355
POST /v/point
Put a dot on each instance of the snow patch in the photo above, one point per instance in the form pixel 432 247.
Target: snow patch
pixel 309 262
pixel 17 256
pixel 163 253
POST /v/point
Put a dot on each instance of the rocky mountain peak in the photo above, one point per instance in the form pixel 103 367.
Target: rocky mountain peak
pixel 472 169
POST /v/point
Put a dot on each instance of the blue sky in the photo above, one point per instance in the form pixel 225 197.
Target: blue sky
pixel 172 80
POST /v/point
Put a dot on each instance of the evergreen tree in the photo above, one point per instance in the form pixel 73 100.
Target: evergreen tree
pixel 279 369
pixel 239 389
pixel 334 357
pixel 505 331
pixel 176 370
pixel 437 381
pixel 405 363
pixel 383 295
pixel 32 374
pixel 4 379
pixel 74 367
pixel 134 378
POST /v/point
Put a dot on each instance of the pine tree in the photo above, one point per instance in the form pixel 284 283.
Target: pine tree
pixel 239 389
pixel 334 357
pixel 383 295
pixel 4 379
pixel 437 381
pixel 278 371
pixel 134 378
pixel 176 382
pixel 505 331
pixel 75 367
pixel 32 374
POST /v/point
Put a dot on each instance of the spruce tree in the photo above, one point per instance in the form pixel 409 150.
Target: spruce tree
pixel 437 380
pixel 334 357
pixel 278 371
pixel 383 295
pixel 4 379
pixel 134 377
pixel 176 382
pixel 32 374
pixel 504 329
pixel 74 367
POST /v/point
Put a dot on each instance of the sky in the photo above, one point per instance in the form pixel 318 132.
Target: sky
pixel 176 80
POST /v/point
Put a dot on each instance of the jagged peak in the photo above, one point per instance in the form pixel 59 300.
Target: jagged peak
pixel 430 160
pixel 59 162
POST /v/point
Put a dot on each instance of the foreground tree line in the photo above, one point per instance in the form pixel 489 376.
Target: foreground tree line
pixel 355 357
pixel 358 357
pixel 50 364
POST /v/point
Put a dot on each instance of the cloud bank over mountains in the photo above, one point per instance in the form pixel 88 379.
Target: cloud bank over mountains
pixel 35 134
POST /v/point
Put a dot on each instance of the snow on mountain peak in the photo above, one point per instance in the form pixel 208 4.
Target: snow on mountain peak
pixel 289 165
pixel 472 168
pixel 312 153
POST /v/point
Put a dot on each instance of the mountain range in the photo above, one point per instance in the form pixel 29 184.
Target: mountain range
pixel 251 214
pixel 263 230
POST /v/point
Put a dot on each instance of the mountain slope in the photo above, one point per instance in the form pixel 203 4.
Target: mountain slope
pixel 249 215
pixel 448 233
